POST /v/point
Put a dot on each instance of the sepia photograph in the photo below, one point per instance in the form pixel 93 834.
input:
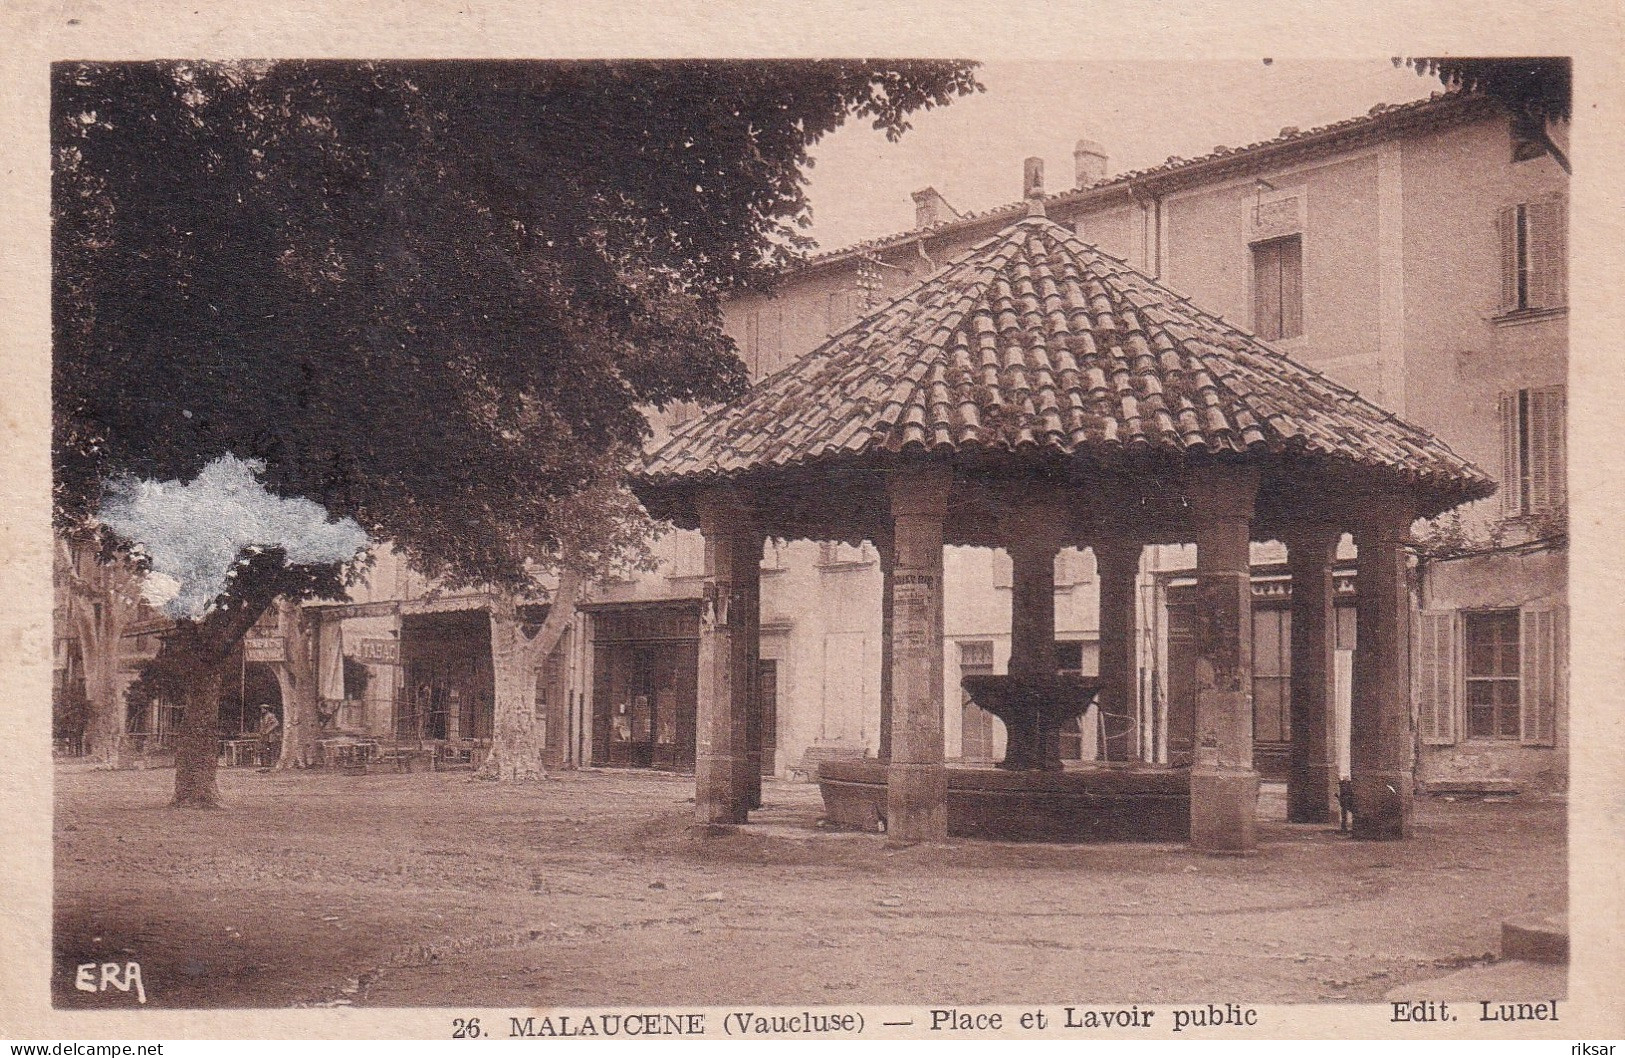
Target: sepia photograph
pixel 811 547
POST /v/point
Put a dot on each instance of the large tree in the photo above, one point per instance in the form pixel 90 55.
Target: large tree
pixel 432 297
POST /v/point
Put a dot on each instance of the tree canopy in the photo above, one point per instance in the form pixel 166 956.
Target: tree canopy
pixel 1535 90
pixel 1539 86
pixel 430 296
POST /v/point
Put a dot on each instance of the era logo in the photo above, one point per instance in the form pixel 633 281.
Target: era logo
pixel 112 975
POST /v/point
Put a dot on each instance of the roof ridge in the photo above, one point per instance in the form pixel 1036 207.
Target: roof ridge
pixel 1377 114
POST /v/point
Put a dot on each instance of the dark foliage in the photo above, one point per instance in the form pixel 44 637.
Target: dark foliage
pixel 1539 87
pixel 429 296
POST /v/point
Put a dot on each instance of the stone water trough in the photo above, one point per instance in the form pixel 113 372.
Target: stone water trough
pixel 1030 795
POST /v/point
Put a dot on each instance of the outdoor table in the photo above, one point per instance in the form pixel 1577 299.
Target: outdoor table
pixel 233 750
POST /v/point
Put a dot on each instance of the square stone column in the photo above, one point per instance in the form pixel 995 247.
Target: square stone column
pixel 885 547
pixel 916 780
pixel 1032 607
pixel 1224 786
pixel 721 752
pixel 1380 740
pixel 1311 784
pixel 1118 565
pixel 746 648
pixel 1033 541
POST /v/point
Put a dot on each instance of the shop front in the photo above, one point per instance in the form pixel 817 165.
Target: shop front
pixel 645 678
pixel 1271 657
pixel 449 692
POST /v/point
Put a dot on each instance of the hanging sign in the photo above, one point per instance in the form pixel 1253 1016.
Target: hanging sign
pixel 265 649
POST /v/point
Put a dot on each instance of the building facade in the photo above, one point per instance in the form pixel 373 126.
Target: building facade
pixel 1416 254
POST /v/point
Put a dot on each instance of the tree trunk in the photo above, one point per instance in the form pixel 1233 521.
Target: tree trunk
pixel 99 650
pixel 192 661
pixel 197 750
pixel 297 678
pixel 517 744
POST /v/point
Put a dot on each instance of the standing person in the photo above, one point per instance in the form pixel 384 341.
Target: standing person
pixel 270 735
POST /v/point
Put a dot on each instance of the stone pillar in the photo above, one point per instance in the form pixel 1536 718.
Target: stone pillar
pixel 1224 786
pixel 746 649
pixel 1118 565
pixel 1030 742
pixel 887 551
pixel 916 781
pixel 1380 746
pixel 721 743
pixel 1032 607
pixel 1311 783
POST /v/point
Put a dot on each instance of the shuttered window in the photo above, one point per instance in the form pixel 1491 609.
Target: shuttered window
pixel 1534 456
pixel 1534 257
pixel 1492 663
pixel 1278 288
pixel 1510 676
pixel 1069 662
pixel 1272 675
pixel 976 724
pixel 1436 677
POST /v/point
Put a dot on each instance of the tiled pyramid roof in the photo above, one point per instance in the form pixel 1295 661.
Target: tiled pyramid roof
pixel 1034 340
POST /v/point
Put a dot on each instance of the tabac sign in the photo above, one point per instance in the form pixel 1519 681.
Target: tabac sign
pixel 268 649
pixel 378 651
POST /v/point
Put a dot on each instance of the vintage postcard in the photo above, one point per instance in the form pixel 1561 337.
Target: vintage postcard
pixel 541 522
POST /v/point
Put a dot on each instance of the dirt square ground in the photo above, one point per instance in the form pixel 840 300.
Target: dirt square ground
pixel 591 890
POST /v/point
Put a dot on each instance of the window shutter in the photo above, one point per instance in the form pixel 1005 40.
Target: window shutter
pixel 1436 677
pixel 1538 686
pixel 1506 224
pixel 1546 455
pixel 1547 238
pixel 1540 466
pixel 1291 287
pixel 1511 470
pixel 1267 291
pixel 1003 569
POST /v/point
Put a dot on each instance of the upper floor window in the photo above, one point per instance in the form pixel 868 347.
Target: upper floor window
pixel 1533 256
pixel 1278 288
pixel 1534 460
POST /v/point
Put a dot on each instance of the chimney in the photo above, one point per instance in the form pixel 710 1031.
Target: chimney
pixel 1032 186
pixel 931 209
pixel 1090 159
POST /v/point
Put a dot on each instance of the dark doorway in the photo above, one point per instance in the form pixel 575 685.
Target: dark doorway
pixel 645 683
pixel 450 692
pixel 767 690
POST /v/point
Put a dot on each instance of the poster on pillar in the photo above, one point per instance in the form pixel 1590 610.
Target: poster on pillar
pixel 913 595
pixel 1086 561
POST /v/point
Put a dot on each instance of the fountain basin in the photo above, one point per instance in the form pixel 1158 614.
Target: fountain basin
pixel 1103 802
pixel 1033 709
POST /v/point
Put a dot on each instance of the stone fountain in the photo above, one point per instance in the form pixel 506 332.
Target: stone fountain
pixel 1033 708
